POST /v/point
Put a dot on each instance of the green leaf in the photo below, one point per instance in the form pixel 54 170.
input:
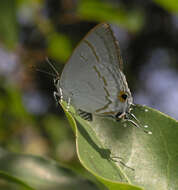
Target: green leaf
pixel 8 26
pixel 59 46
pixel 97 10
pixel 171 5
pixel 10 181
pixel 153 157
pixel 39 173
pixel 15 102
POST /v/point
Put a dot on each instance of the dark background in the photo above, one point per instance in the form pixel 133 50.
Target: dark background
pixel 30 121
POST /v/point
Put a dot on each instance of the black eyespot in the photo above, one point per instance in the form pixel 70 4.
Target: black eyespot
pixel 124 96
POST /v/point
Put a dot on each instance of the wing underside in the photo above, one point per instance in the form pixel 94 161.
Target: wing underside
pixel 90 78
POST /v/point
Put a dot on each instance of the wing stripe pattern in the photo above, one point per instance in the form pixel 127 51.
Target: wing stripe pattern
pixel 93 49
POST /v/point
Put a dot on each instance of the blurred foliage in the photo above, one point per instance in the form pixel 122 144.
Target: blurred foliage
pixel 30 31
pixel 56 42
pixel 97 10
pixel 171 5
pixel 8 27
pixel 38 173
pixel 9 182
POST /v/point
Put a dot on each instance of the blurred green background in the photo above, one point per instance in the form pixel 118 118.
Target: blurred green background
pixel 31 30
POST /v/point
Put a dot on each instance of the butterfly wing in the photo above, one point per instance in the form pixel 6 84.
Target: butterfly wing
pixel 92 76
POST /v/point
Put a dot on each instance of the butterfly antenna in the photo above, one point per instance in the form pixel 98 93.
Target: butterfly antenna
pixel 52 66
pixel 41 71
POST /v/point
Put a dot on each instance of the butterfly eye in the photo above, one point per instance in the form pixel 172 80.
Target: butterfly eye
pixel 122 96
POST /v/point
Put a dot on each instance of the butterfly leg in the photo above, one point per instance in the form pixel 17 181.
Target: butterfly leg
pixel 61 94
pixel 85 115
pixel 57 97
pixel 68 104
pixel 120 160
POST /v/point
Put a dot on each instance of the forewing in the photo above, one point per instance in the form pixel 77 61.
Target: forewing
pixel 92 71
